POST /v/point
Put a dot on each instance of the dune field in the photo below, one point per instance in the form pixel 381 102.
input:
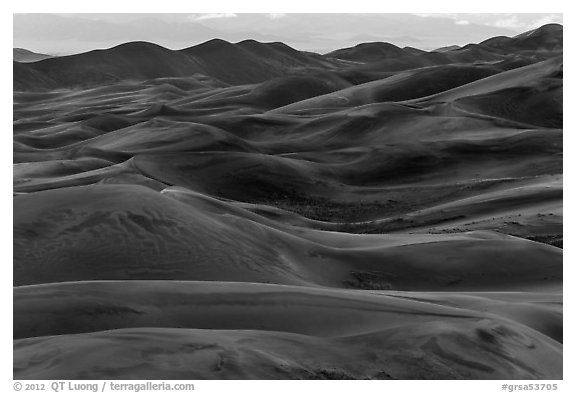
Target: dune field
pixel 251 211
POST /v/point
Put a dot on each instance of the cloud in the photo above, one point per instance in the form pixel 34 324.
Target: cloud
pixel 509 23
pixel 514 22
pixel 552 18
pixel 215 16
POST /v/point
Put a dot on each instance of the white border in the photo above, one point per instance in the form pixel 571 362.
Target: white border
pixel 485 6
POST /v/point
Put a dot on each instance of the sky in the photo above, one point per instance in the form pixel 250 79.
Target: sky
pixel 61 34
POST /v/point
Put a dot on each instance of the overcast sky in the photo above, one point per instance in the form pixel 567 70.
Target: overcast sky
pixel 73 33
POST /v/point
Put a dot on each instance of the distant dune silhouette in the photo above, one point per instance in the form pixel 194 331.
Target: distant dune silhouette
pixel 25 56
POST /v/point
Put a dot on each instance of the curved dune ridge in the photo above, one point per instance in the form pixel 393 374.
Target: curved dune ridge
pixel 105 305
pixel 250 211
pixel 449 340
pixel 174 240
pixel 214 354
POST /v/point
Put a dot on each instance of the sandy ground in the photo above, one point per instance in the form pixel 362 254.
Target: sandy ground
pixel 377 214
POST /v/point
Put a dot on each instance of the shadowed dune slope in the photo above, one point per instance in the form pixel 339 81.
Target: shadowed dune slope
pixel 135 60
pixel 282 56
pixel 403 86
pixel 368 52
pixel 539 105
pixel 88 233
pixel 465 349
pixel 82 307
pixel 392 335
pixel 519 77
pixel 22 55
pixel 229 63
pixel 236 64
pixel 548 37
pixel 26 78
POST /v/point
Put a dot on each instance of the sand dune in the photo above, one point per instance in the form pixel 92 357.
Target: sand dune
pixel 402 86
pixel 118 62
pixel 216 54
pixel 54 309
pixel 231 306
pixel 221 61
pixel 414 335
pixel 368 52
pixel 453 81
pixel 548 36
pixel 22 55
pixel 523 76
pixel 182 241
pixel 28 170
pixel 223 327
pixel 460 350
pixel 539 105
pixel 250 211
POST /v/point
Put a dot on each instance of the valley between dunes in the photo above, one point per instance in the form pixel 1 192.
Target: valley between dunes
pixel 251 211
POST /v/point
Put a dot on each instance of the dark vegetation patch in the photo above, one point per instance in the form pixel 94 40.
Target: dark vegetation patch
pixel 555 240
pixel 369 280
